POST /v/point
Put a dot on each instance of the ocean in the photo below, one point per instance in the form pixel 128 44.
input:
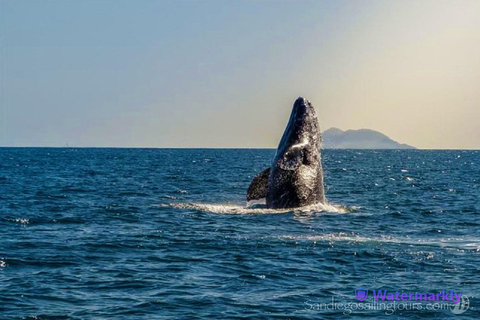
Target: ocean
pixel 92 233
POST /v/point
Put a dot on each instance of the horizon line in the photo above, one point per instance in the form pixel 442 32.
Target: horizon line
pixel 241 148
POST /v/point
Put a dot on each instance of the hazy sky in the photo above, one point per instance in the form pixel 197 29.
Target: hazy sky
pixel 226 73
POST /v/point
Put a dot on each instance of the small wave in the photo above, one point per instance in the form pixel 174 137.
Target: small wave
pixel 258 209
pixel 23 221
pixel 456 243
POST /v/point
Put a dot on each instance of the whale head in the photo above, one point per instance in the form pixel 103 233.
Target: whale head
pixel 301 140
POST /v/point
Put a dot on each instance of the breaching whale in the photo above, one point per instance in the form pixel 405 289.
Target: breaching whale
pixel 295 178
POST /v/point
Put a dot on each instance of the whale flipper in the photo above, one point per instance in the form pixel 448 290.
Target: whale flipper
pixel 259 186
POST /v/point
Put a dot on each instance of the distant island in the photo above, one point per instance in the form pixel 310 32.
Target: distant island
pixel 335 138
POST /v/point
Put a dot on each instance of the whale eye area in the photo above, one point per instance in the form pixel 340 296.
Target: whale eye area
pixel 292 159
pixel 307 157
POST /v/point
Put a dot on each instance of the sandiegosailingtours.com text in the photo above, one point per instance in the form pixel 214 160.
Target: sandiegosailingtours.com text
pixel 391 302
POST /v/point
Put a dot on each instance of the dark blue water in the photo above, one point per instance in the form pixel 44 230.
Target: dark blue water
pixel 165 234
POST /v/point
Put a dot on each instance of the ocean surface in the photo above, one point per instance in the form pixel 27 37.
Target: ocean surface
pixel 167 234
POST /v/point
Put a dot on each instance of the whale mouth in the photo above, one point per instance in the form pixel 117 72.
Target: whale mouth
pixel 303 115
pixel 301 126
pixel 301 108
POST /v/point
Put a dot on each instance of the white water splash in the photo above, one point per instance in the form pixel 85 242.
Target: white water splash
pixel 256 209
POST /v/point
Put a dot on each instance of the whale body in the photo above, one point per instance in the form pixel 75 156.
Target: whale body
pixel 295 178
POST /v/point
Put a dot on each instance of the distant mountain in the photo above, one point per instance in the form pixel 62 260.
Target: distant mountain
pixel 335 138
